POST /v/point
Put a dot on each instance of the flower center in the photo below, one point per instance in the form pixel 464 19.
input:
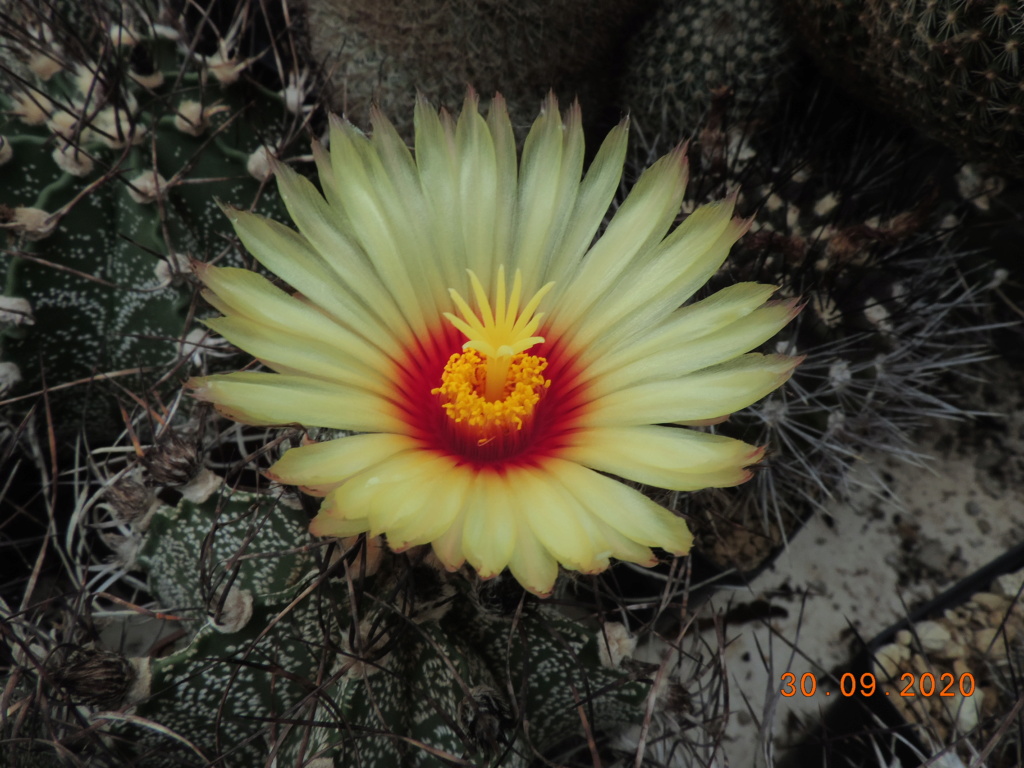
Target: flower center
pixel 492 385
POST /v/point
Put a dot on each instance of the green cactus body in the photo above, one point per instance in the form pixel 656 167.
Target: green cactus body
pixel 95 244
pixel 418 671
pixel 688 56
pixel 384 53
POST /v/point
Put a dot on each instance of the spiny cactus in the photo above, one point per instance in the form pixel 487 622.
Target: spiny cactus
pixel 688 57
pixel 952 68
pixel 386 52
pixel 325 656
pixel 118 138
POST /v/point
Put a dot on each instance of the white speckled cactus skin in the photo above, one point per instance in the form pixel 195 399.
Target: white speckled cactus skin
pixel 402 667
pixel 95 243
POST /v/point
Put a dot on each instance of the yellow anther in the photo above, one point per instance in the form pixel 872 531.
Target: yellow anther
pixel 463 397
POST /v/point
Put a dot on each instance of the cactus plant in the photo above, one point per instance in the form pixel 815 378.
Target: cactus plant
pixel 326 656
pixel 385 53
pixel 950 68
pixel 117 140
pixel 688 57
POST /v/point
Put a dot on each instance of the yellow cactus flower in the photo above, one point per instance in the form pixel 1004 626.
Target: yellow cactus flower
pixel 454 307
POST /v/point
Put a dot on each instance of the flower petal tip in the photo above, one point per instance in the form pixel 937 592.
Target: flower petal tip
pixel 199 387
pixel 199 268
pixel 754 457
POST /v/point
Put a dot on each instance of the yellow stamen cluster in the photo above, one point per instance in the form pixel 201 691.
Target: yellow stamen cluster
pixel 492 385
pixel 462 392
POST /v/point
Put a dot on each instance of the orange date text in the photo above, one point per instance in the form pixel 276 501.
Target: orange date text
pixel 926 684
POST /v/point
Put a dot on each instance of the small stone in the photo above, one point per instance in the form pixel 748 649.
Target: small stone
pixel 6 152
pixel 932 635
pixel 904 637
pixel 956 618
pixel 990 601
pixel 967 710
pixel 889 658
pixel 989 641
pixel 920 664
pixel 1009 584
pixel 952 650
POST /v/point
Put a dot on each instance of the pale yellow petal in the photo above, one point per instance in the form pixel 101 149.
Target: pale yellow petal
pixel 324 524
pixel 247 294
pixel 623 508
pixel 386 226
pixel 489 527
pixel 637 227
pixel 334 461
pixel 602 540
pixel 478 190
pixel 648 292
pixel 373 492
pixel 531 564
pixel 320 224
pixel 682 354
pixel 705 394
pixel 592 201
pixel 448 545
pixel 506 176
pixel 539 172
pixel 289 353
pixel 440 179
pixel 272 399
pixel 555 524
pixel 664 457
pixel 691 322
pixel 552 173
pixel 328 182
pixel 438 520
pixel 432 235
pixel 290 256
